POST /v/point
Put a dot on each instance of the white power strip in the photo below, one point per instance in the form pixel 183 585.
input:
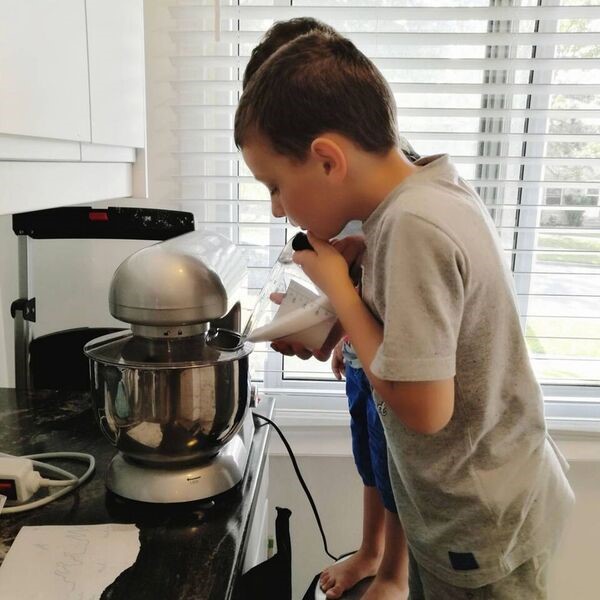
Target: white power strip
pixel 19 481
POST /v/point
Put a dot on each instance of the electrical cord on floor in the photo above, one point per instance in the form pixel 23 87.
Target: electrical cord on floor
pixel 301 480
pixel 68 484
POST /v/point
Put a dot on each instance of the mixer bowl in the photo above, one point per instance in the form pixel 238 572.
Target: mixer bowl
pixel 169 402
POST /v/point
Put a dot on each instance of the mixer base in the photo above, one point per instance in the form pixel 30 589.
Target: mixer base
pixel 195 482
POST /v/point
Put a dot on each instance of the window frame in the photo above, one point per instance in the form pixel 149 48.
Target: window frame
pixel 574 399
pixel 565 401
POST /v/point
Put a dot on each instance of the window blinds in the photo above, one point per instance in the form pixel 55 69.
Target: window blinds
pixel 509 88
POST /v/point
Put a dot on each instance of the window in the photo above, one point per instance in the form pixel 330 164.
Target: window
pixel 509 88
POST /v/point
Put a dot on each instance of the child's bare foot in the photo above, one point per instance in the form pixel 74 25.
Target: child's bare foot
pixel 385 589
pixel 342 576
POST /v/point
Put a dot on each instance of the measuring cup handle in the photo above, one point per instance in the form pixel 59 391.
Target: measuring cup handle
pixel 300 242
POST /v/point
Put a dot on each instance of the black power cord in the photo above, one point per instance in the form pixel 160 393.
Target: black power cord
pixel 301 480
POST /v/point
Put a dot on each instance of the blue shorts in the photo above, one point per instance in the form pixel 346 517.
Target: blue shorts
pixel 368 440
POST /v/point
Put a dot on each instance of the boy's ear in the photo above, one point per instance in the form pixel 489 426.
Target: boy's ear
pixel 330 156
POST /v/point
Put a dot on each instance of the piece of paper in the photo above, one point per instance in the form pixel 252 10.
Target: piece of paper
pixel 62 562
pixel 303 317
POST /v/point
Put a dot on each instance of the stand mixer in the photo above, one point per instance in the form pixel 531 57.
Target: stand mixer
pixel 172 394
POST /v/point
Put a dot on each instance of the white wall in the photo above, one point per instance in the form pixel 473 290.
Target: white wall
pixel 337 491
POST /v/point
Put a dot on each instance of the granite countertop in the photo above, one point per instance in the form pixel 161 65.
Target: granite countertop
pixel 188 551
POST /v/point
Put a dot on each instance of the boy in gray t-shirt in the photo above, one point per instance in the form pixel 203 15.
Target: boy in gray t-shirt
pixel 478 483
pixel 485 493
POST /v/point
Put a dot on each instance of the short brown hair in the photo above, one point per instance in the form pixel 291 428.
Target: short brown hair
pixel 279 34
pixel 317 83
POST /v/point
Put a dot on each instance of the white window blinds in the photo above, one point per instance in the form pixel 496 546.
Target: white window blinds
pixel 510 89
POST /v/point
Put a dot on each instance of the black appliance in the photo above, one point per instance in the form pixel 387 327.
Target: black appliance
pixel 56 360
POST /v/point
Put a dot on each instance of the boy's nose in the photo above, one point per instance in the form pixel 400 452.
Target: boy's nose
pixel 277 209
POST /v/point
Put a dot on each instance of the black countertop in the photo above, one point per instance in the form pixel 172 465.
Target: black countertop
pixel 188 551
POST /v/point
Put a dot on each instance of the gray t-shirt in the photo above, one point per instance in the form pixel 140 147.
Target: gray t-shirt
pixel 488 491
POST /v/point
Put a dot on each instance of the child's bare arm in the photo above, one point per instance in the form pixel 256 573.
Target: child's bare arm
pixel 337 361
pixel 423 406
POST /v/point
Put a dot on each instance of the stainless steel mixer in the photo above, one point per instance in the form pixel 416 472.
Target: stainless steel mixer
pixel 173 393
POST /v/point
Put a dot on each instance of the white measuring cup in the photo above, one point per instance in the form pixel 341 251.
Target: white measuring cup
pixel 305 315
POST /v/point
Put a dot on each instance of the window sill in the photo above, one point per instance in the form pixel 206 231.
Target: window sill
pixel 326 433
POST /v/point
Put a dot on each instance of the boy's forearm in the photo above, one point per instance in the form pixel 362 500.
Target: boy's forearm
pixel 424 406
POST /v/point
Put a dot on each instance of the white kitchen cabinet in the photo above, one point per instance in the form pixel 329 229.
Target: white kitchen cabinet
pixel 116 61
pixel 28 185
pixel 72 102
pixel 44 70
pixel 19 147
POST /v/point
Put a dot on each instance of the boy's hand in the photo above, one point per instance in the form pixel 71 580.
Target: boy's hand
pixel 326 267
pixel 337 361
pixel 297 349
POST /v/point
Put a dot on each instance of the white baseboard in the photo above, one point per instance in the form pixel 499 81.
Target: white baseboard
pixel 327 433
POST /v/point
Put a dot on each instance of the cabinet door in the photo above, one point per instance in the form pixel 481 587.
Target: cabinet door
pixel 117 83
pixel 43 69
